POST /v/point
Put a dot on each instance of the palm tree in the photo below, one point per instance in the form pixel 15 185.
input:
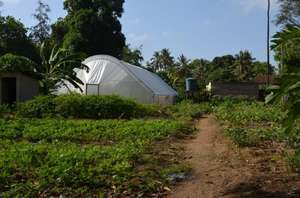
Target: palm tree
pixel 58 67
pixel 183 66
pixel 243 65
pixel 155 62
pixel 167 59
pixel 161 61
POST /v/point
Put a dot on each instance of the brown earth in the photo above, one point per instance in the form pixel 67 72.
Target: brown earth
pixel 220 169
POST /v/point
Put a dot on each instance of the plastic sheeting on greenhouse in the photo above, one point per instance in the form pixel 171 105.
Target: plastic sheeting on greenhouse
pixel 108 75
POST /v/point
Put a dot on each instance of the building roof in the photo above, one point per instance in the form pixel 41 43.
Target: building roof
pixel 100 68
pixel 263 79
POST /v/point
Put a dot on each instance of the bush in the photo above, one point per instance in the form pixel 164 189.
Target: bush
pixel 13 63
pixel 188 109
pixel 41 106
pixel 4 110
pixel 88 107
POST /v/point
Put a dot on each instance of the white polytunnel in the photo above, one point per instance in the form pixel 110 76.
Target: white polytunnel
pixel 108 75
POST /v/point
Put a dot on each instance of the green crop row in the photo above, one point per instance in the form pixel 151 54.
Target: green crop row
pixel 248 123
pixel 76 158
pixel 102 131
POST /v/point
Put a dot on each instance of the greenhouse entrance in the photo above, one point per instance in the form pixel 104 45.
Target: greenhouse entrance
pixel 8 90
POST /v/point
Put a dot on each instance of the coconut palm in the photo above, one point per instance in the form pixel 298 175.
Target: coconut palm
pixel 243 65
pixel 155 62
pixel 58 67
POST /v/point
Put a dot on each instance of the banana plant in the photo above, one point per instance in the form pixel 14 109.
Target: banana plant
pixel 286 44
pixel 58 67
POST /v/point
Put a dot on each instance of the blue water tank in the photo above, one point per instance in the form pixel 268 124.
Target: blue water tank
pixel 191 84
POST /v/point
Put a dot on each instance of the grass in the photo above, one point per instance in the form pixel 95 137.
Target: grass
pixel 52 157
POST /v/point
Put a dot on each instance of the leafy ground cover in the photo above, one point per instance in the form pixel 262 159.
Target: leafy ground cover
pixel 255 124
pixel 51 157
pixel 42 157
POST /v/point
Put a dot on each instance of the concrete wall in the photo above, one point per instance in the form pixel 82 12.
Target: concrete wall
pixel 235 89
pixel 27 88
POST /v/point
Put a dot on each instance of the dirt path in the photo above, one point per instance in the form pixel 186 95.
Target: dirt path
pixel 222 170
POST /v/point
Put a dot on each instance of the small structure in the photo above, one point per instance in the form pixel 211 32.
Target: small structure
pixel 263 79
pixel 17 87
pixel 235 89
pixel 108 75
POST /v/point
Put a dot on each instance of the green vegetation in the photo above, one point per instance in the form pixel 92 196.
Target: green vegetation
pixel 77 158
pixel 189 110
pixel 88 107
pixel 250 124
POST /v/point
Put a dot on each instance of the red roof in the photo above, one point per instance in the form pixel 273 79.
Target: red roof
pixel 263 79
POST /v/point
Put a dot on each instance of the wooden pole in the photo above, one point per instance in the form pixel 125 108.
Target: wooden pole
pixel 268 42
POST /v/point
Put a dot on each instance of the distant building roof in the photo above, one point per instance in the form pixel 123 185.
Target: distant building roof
pixel 263 79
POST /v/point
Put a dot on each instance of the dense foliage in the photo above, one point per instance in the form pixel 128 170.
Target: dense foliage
pixel 78 106
pixel 41 31
pixel 79 158
pixel 13 63
pixel 58 67
pixel 289 12
pixel 14 39
pixel 132 56
pixel 286 45
pixel 92 27
pixel 248 123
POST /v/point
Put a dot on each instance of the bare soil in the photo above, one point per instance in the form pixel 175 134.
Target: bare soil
pixel 220 169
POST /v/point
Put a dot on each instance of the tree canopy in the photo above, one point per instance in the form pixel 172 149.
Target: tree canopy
pixel 14 39
pixel 92 27
pixel 41 31
pixel 133 56
pixel 289 12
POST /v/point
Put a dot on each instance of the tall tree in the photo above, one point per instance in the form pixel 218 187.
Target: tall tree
pixel 166 58
pixel 243 66
pixel 183 66
pixel 155 62
pixel 222 68
pixel 92 27
pixel 289 12
pixel 41 31
pixel 133 56
pixel 162 60
pixel 14 39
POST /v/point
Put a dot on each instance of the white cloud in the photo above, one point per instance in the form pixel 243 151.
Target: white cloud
pixel 137 38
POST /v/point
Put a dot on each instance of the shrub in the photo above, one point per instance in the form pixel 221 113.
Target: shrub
pixel 88 107
pixel 13 63
pixel 4 110
pixel 41 106
pixel 188 109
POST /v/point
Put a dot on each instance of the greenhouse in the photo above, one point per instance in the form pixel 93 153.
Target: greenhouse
pixel 108 75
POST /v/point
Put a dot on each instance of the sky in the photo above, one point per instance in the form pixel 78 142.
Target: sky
pixel 195 28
